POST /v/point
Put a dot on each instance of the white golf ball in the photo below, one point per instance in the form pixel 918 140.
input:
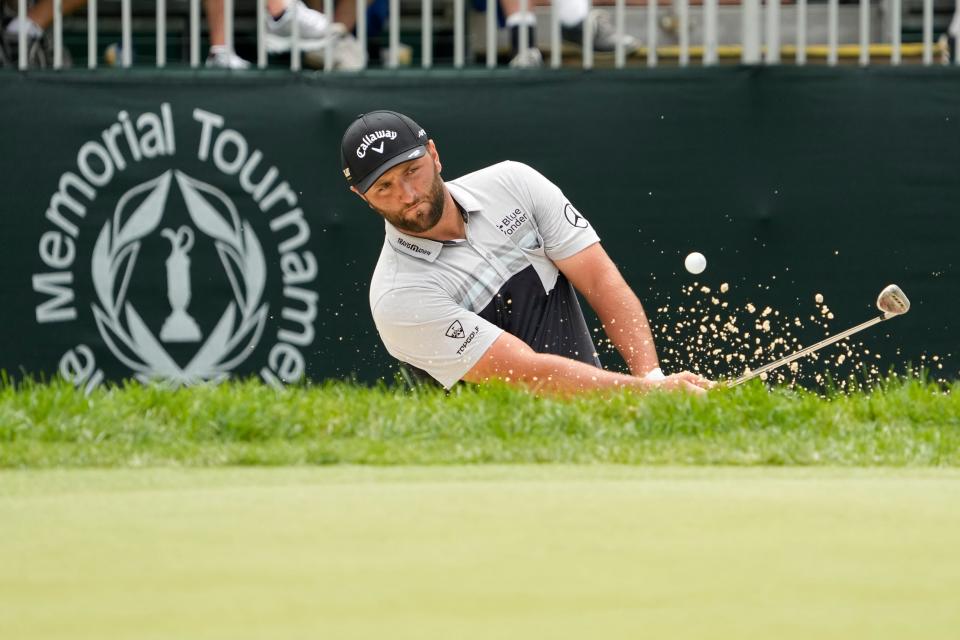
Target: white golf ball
pixel 695 263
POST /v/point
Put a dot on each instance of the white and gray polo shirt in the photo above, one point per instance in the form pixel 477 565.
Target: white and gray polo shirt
pixel 438 306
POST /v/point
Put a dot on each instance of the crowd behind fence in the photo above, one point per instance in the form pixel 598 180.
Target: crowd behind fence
pixel 761 33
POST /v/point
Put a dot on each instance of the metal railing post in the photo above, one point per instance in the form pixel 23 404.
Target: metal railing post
pixel 161 33
pixel 362 28
pixel 22 36
pixel 92 34
pixel 587 37
pixel 426 34
pixel 864 33
pixel 261 34
pixel 652 33
pixel 194 33
pixel 801 32
pixel 773 32
pixel 328 48
pixel 555 45
pixel 458 34
pixel 895 31
pixel 295 61
pixel 228 24
pixel 57 34
pixel 620 53
pixel 750 53
pixel 491 34
pixel 710 43
pixel 833 11
pixel 126 39
pixel 524 33
pixel 683 31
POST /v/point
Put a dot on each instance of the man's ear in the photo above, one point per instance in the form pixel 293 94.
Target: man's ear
pixel 432 150
pixel 356 191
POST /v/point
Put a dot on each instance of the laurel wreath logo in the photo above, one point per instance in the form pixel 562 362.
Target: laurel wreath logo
pixel 137 215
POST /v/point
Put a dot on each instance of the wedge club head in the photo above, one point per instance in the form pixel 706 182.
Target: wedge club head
pixel 892 301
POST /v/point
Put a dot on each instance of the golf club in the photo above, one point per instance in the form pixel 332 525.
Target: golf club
pixel 891 301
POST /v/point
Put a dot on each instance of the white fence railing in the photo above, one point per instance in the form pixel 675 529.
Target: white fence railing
pixel 761 33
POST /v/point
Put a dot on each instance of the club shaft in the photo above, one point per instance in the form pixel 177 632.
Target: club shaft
pixel 808 350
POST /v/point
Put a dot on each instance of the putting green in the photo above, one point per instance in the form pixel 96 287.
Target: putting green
pixel 480 552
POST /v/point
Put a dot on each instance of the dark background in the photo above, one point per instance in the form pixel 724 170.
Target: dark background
pixel 792 181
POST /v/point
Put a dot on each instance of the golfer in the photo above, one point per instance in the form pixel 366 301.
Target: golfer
pixel 476 278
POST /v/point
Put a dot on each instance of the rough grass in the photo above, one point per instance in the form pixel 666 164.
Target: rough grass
pixel 902 422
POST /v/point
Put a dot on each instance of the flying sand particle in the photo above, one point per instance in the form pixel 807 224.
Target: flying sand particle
pixel 710 342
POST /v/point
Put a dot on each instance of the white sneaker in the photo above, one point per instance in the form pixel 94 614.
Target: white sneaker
pixel 532 60
pixel 222 58
pixel 404 55
pixel 314 29
pixel 604 34
pixel 348 55
pixel 16 25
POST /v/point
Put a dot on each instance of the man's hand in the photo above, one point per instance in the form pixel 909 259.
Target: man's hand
pixel 683 381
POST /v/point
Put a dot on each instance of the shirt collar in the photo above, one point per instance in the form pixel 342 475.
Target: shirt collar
pixel 424 248
pixel 463 197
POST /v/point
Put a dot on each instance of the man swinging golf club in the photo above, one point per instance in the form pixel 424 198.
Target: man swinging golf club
pixel 476 278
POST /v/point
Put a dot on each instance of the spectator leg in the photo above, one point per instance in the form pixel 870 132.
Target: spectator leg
pixel 214 9
pixel 42 12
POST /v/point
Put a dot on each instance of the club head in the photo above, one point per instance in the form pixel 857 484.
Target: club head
pixel 892 301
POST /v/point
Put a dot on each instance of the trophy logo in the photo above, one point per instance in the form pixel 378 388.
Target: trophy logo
pixel 138 214
pixel 179 325
pixel 149 263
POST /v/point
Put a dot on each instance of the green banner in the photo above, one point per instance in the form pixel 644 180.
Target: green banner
pixel 197 227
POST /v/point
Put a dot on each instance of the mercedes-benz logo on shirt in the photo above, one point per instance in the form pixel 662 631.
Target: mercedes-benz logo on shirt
pixel 455 330
pixel 573 217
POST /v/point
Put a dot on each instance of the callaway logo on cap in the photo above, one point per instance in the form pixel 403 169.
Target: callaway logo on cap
pixel 376 142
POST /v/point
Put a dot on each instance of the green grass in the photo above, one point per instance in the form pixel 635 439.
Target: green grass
pixel 904 422
pixel 377 548
pixel 479 552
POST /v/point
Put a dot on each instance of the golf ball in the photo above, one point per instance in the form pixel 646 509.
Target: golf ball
pixel 695 263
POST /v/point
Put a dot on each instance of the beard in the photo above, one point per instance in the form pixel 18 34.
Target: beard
pixel 423 222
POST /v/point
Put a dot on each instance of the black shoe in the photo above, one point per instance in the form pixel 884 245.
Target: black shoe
pixel 39 51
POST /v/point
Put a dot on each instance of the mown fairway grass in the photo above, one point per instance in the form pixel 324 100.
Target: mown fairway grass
pixel 902 423
pixel 480 552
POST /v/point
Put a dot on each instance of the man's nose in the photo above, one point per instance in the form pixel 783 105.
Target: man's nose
pixel 407 193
